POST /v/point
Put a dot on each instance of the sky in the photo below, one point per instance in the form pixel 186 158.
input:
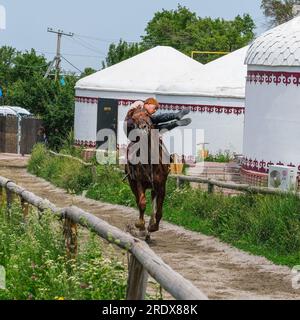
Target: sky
pixel 98 23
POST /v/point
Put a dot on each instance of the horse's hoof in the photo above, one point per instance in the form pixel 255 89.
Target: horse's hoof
pixel 153 228
pixel 140 225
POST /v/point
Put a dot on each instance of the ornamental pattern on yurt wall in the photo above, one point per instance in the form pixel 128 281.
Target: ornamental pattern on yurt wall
pixel 263 166
pixel 193 107
pixel 276 77
pixel 86 144
pixel 176 107
pixel 86 100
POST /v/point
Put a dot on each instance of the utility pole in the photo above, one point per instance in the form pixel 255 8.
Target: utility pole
pixel 57 59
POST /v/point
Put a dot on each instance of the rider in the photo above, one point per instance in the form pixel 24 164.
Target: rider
pixel 167 121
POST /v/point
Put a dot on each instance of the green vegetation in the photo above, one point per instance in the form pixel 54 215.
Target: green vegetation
pixel 37 268
pixel 23 84
pixel 262 225
pixel 278 11
pixel 221 157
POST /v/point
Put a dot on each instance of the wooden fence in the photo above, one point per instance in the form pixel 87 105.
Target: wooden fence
pixel 18 134
pixel 143 261
pixel 211 183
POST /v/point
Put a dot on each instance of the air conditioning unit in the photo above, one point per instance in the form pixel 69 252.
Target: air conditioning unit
pixel 283 178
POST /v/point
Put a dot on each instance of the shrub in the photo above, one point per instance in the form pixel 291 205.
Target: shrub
pixel 33 255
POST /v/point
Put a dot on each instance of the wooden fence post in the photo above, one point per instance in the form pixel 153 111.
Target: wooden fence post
pixel 94 173
pixel 25 208
pixel 2 197
pixel 211 188
pixel 70 233
pixel 137 280
pixel 179 182
pixel 9 200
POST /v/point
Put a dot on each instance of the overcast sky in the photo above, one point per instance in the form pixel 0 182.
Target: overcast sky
pixel 108 21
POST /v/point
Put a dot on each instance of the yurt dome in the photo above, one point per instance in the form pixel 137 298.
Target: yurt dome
pixel 143 73
pixel 277 47
pixel 221 78
pixel 272 119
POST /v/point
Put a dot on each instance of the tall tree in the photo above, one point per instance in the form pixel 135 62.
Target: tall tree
pixel 183 30
pixel 186 32
pixel 279 11
pixel 122 51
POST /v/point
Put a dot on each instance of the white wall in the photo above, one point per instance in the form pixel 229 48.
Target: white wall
pixel 222 131
pixel 272 121
pixel 85 125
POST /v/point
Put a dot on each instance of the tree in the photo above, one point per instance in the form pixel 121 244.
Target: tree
pixel 186 32
pixel 23 84
pixel 87 72
pixel 122 51
pixel 279 11
pixel 170 28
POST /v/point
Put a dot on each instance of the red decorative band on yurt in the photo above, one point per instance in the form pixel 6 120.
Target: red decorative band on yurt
pixel 276 77
pixel 86 100
pixel 193 108
pixel 86 144
pixel 263 166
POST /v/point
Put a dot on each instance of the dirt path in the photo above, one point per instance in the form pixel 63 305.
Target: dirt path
pixel 222 272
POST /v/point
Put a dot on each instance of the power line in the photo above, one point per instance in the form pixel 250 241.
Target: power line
pixel 103 40
pixel 88 46
pixel 69 54
pixel 71 64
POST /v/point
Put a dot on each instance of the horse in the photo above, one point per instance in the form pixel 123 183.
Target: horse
pixel 144 176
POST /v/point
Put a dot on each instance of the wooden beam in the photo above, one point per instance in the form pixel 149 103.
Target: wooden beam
pixel 144 258
pixel 70 233
pixel 137 280
pixel 170 280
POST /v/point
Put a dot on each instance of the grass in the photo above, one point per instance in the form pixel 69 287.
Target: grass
pixel 37 268
pixel 261 224
pixel 220 157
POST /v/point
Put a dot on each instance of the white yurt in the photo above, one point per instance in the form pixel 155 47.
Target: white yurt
pixel 272 120
pixel 104 98
pixel 214 93
pixel 216 97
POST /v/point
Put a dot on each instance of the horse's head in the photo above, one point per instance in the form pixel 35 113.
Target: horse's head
pixel 143 121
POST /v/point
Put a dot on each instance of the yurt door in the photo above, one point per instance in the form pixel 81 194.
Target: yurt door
pixel 107 117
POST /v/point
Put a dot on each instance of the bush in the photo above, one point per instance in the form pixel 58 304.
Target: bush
pixel 65 173
pixel 221 157
pixel 33 255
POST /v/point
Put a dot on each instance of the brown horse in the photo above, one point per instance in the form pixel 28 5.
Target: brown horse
pixel 151 175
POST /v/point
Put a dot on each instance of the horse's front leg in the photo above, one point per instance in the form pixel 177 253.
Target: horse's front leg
pixel 158 198
pixel 141 202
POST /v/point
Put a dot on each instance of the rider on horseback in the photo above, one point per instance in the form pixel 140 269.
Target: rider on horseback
pixel 144 175
pixel 161 121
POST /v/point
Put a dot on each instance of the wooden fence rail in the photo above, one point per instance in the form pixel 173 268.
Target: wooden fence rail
pixel 210 182
pixel 232 186
pixel 143 260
